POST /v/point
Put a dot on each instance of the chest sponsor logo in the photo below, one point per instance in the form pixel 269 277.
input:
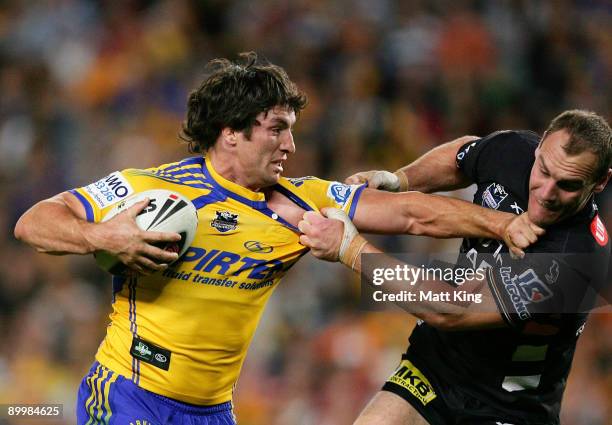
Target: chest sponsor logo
pixel 225 221
pixel 340 193
pixel 598 230
pixel 109 190
pixel 493 196
pixel 411 378
pixel 256 246
pixel 524 289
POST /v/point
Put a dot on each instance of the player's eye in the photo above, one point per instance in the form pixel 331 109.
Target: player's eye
pixel 276 131
pixel 569 186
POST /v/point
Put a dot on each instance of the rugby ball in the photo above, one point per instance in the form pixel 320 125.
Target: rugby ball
pixel 166 212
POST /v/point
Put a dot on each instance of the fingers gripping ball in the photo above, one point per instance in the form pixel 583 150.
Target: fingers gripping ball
pixel 166 212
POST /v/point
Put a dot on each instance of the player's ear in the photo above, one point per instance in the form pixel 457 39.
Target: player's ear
pixel 229 136
pixel 601 184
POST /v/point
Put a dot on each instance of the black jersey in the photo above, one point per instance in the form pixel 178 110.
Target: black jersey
pixel 521 369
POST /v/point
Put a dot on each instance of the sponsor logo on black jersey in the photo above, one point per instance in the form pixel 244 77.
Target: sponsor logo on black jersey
pixel 225 221
pixel 598 230
pixel 256 246
pixel 493 196
pixel 413 380
pixel 524 289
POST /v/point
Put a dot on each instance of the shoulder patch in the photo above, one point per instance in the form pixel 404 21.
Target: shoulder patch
pixel 109 190
pixel 340 192
pixel 598 230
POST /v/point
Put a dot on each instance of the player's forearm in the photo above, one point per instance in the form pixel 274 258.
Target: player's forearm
pixel 51 227
pixel 437 216
pixel 437 171
pixel 444 217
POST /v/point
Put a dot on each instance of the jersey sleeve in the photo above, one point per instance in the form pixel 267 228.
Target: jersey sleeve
pixel 498 154
pixel 324 193
pixel 543 285
pixel 99 197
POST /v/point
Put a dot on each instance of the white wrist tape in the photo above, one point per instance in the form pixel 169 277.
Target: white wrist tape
pixel 350 232
pixel 384 180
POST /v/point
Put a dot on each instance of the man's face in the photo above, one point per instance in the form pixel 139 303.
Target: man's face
pixel 262 155
pixel 559 184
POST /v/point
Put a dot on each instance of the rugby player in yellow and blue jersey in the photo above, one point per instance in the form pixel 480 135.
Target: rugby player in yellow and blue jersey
pixel 178 335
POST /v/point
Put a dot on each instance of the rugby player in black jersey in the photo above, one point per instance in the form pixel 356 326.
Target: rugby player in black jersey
pixel 510 365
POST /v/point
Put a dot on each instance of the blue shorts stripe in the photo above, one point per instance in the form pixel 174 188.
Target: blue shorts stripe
pixel 91 410
pixel 102 413
pixel 91 384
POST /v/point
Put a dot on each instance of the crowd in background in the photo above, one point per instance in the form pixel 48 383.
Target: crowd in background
pixel 90 87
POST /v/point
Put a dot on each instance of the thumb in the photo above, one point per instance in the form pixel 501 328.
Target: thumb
pixel 335 213
pixel 326 211
pixel 516 253
pixel 358 178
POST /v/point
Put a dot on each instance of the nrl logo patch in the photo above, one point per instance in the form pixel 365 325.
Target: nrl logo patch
pixel 493 196
pixel 225 221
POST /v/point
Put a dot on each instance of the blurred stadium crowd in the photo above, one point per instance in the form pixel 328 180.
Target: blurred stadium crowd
pixel 89 87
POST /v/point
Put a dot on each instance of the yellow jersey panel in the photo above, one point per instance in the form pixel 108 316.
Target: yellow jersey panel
pixel 184 333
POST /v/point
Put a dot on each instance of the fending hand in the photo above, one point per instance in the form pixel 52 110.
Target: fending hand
pixel 520 233
pixel 322 235
pixel 380 179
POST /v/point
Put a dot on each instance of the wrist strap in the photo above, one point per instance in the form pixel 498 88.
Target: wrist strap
pixel 352 252
pixel 403 180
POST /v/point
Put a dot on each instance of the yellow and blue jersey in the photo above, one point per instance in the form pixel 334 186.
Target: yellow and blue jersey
pixel 184 333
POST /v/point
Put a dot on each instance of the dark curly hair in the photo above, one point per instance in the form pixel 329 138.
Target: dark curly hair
pixel 232 95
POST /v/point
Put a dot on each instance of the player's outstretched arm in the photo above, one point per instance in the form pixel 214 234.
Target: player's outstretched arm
pixel 437 216
pixel 435 171
pixel 336 239
pixel 58 226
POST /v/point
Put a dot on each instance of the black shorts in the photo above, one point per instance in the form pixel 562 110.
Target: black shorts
pixel 441 403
